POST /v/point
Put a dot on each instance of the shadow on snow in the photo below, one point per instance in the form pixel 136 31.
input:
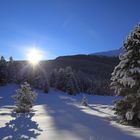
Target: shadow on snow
pixel 69 118
pixel 20 128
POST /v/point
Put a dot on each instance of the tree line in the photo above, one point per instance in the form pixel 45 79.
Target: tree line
pixel 88 71
pixel 64 79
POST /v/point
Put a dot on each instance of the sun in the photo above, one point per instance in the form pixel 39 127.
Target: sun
pixel 34 56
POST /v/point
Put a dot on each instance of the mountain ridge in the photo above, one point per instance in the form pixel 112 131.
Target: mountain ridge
pixel 110 53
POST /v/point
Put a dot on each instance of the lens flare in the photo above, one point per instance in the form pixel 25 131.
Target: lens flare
pixel 34 56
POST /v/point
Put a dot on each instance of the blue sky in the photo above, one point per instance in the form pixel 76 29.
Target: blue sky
pixel 65 27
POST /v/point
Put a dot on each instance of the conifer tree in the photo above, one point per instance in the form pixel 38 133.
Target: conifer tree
pixel 24 98
pixel 60 79
pixel 126 80
pixel 46 87
pixel 53 77
pixel 3 71
pixel 11 70
pixel 71 85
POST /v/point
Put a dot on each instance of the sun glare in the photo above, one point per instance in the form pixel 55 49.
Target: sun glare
pixel 34 56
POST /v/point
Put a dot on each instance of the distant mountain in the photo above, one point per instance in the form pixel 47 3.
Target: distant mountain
pixel 96 68
pixel 91 65
pixel 111 53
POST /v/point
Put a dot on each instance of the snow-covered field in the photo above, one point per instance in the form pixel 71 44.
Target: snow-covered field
pixel 57 116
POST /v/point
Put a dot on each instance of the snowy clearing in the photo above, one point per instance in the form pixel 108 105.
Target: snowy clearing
pixel 58 116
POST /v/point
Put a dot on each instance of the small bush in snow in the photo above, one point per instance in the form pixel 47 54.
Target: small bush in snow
pixel 24 98
pixel 84 101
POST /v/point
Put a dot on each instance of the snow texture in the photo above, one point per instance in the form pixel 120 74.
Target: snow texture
pixel 58 116
pixel 129 115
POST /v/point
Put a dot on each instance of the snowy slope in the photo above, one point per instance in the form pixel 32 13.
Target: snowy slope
pixel 57 116
pixel 111 53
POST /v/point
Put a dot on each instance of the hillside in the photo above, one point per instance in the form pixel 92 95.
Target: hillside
pixel 96 68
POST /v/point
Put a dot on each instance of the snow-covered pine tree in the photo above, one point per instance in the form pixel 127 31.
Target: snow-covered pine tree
pixel 3 71
pixel 71 85
pixel 84 101
pixel 61 79
pixel 38 80
pixel 46 87
pixel 126 80
pixel 24 98
pixel 53 77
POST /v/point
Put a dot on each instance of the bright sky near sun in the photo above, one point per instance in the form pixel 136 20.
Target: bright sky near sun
pixel 65 27
pixel 34 55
